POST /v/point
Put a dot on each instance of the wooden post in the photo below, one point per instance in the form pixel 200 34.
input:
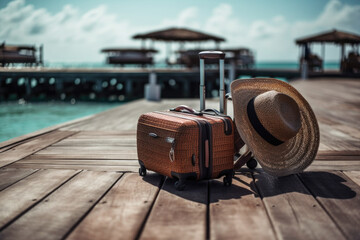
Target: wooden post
pixel 232 73
pixel 186 88
pixel 342 52
pixel 41 55
pixel 323 55
pixel 152 90
pixel 143 44
pixel 28 87
pixel 128 88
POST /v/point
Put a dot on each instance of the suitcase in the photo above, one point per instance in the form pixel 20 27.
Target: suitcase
pixel 183 143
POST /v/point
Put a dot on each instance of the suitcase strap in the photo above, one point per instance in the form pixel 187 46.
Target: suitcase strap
pixel 205 145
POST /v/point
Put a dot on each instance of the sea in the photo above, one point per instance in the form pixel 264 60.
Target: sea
pixel 261 65
pixel 20 117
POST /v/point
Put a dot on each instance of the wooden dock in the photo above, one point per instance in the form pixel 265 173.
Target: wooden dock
pixel 79 180
pixel 124 84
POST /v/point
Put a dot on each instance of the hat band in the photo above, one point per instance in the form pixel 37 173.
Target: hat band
pixel 259 128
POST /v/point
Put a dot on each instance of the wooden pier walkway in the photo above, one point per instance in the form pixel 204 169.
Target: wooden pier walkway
pixel 79 180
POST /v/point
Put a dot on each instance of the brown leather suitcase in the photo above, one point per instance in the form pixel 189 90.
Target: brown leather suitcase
pixel 185 144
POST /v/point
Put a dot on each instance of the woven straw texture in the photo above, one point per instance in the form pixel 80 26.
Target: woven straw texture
pixel 154 152
pixel 294 155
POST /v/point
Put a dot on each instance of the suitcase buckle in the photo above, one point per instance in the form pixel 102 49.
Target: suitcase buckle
pixel 172 152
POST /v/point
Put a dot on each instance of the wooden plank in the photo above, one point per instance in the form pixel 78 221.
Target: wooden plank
pixel 9 176
pixel 338 153
pixel 336 163
pixel 28 148
pixel 353 175
pixel 100 162
pixel 75 156
pixel 178 214
pixel 95 134
pixel 122 211
pixel 21 196
pixel 337 158
pixel 294 212
pixel 88 150
pixel 237 212
pixel 116 168
pixel 339 196
pixel 58 213
pixel 349 167
pixel 120 141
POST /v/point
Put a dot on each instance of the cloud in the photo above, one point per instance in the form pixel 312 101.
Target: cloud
pixel 69 35
pixel 334 15
pixel 185 18
pixel 274 38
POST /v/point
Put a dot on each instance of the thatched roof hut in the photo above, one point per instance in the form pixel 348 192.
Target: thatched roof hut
pixel 124 56
pixel 123 50
pixel 334 36
pixel 179 35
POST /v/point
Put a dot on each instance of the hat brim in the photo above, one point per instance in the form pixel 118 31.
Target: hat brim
pixel 290 157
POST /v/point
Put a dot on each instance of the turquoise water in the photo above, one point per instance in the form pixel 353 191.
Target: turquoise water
pixel 19 119
pixel 260 65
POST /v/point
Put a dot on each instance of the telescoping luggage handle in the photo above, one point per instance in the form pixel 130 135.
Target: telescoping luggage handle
pixel 212 55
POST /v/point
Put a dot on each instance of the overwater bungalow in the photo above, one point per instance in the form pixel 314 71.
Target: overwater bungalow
pixel 125 56
pixel 19 54
pixel 178 35
pixel 348 63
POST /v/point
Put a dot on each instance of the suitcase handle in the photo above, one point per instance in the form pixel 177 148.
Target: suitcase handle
pixel 216 112
pixel 212 55
pixel 183 108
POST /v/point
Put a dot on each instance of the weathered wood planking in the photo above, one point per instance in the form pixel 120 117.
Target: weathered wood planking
pixel 178 214
pixel 294 212
pixel 353 175
pixel 88 150
pixel 28 148
pixel 55 216
pixel 116 168
pixel 9 176
pixel 27 192
pixel 339 196
pixel 122 211
pixel 237 211
pixel 125 117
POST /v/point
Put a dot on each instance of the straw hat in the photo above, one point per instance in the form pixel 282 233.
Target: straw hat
pixel 276 123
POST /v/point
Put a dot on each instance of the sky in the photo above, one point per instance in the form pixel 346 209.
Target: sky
pixel 76 31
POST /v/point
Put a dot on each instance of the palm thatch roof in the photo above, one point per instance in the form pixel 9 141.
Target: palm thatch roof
pixel 179 34
pixel 141 50
pixel 335 36
pixel 5 47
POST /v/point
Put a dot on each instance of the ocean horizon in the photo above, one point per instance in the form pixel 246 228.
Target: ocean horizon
pixel 330 65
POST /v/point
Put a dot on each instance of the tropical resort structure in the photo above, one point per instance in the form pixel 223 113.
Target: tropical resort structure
pixel 348 63
pixel 181 81
pixel 126 56
pixel 241 57
pixel 20 54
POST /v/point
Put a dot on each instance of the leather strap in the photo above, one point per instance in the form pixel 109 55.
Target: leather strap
pixel 242 160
